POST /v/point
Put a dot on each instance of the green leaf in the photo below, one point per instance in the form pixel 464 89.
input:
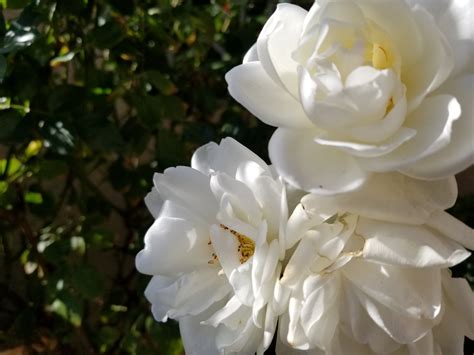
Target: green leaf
pixel 67 307
pixel 34 198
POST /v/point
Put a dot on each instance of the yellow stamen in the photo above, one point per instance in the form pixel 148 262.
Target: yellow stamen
pixel 380 57
pixel 246 246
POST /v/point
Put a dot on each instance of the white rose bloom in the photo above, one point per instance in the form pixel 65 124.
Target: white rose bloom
pixel 363 86
pixel 365 277
pixel 215 250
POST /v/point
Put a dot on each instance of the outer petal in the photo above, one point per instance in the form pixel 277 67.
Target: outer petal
pixel 170 297
pixel 193 333
pixel 225 157
pixel 312 167
pixel 452 228
pixel 433 122
pixel 189 188
pixel 401 328
pixel 405 245
pixel 251 86
pixel 154 202
pixel 434 64
pixel 415 293
pixel 174 245
pixel 390 197
pixel 275 44
pixel 454 19
pixel 459 153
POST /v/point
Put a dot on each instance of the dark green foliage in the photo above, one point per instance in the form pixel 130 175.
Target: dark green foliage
pixel 96 96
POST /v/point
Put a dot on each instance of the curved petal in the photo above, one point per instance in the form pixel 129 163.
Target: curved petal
pixel 251 86
pixel 452 228
pixel 188 188
pixel 193 332
pixel 154 202
pixel 435 62
pixel 225 157
pixel 376 132
pixel 275 44
pixel 454 19
pixel 459 153
pixel 433 121
pixel 402 28
pixel 170 296
pixel 403 329
pixel 370 150
pixel 414 293
pixel 312 167
pixel 390 197
pixel 174 245
pixel 405 245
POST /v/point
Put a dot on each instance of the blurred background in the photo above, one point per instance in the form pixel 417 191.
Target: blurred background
pixel 96 96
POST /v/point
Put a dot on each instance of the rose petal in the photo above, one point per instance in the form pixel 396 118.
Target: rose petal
pixel 276 42
pixel 213 157
pixel 433 122
pixel 452 228
pixel 459 153
pixel 390 197
pixel 405 245
pixel 251 86
pixel 414 293
pixel 312 167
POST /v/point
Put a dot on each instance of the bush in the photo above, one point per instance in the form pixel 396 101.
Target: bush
pixel 96 96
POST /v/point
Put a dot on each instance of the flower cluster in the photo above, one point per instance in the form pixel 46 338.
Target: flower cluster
pixel 343 245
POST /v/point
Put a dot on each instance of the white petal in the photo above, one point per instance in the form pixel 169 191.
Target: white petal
pixel 357 323
pixel 435 62
pixel 275 44
pixel 318 304
pixel 459 153
pixel 424 346
pixel 251 86
pixel 225 158
pixel 312 167
pixel 390 197
pixel 172 246
pixel 454 19
pixel 461 298
pixel 433 121
pixel 193 333
pixel 403 30
pixel 170 297
pixel 189 188
pixel 452 228
pixel 240 196
pixel 401 328
pixel 376 132
pixel 251 55
pixel 406 245
pixel 154 202
pixel 369 150
pixel 414 293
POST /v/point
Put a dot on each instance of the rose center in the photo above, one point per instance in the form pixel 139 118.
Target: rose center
pixel 245 248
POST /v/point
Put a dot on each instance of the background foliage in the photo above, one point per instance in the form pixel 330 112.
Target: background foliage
pixel 96 96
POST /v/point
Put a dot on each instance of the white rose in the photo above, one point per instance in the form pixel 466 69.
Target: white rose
pixel 215 250
pixel 357 87
pixel 364 277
